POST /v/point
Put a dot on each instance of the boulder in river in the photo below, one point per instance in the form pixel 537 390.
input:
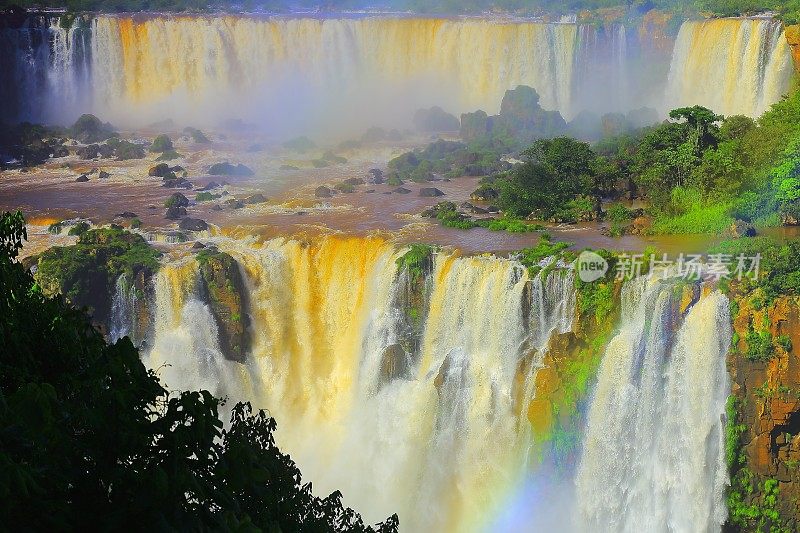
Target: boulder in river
pixel 227 169
pixel 126 214
pixel 105 151
pixel 430 192
pixel 176 200
pixel 161 170
pixel 233 203
pixel 103 175
pixel 193 224
pixel 211 186
pixel 740 228
pixel 323 192
pixel 401 190
pixel 174 213
pixel 177 183
pixel 255 199
pixel 83 178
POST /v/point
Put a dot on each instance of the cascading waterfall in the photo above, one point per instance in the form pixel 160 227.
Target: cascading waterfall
pixel 123 310
pixel 47 69
pixel 281 71
pixel 439 439
pixel 733 66
pixel 462 64
pixel 653 453
pixel 603 72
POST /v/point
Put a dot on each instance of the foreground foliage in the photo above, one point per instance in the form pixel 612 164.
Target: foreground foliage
pixel 90 439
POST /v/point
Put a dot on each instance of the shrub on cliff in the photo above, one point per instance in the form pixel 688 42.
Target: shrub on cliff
pixel 90 439
pixel 87 272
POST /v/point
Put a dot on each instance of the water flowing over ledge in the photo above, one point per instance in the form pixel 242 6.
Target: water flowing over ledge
pixel 409 389
pixel 296 70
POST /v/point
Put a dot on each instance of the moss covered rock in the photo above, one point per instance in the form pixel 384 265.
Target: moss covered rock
pixel 224 287
pixel 87 272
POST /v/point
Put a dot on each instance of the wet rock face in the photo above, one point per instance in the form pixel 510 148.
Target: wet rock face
pixel 224 287
pixel 768 390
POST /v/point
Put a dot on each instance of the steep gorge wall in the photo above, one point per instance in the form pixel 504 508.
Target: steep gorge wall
pixel 765 370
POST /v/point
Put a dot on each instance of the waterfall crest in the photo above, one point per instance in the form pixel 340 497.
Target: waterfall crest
pixel 653 457
pixel 294 70
pixel 732 66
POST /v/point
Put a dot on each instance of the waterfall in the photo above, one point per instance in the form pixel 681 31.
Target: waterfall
pixel 123 310
pixel 314 73
pixel 438 436
pixel 46 70
pixel 460 64
pixel 653 457
pixel 732 66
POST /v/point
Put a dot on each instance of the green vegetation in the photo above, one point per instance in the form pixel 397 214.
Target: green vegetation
pixel 168 155
pixel 176 200
pixel 197 136
pixel 125 150
pixel 416 261
pixel 531 257
pixel 78 229
pixel 206 197
pixel 345 187
pixel 161 144
pixel 449 216
pixel 87 272
pixel 759 346
pixel 779 266
pixel 699 172
pixel 559 179
pixel 745 509
pixel 90 439
pixel 90 129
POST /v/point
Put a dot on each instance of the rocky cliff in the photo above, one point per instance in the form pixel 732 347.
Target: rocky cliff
pixel 224 289
pixel 764 430
pixel 793 38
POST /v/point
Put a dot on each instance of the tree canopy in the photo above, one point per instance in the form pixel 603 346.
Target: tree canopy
pixel 90 439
